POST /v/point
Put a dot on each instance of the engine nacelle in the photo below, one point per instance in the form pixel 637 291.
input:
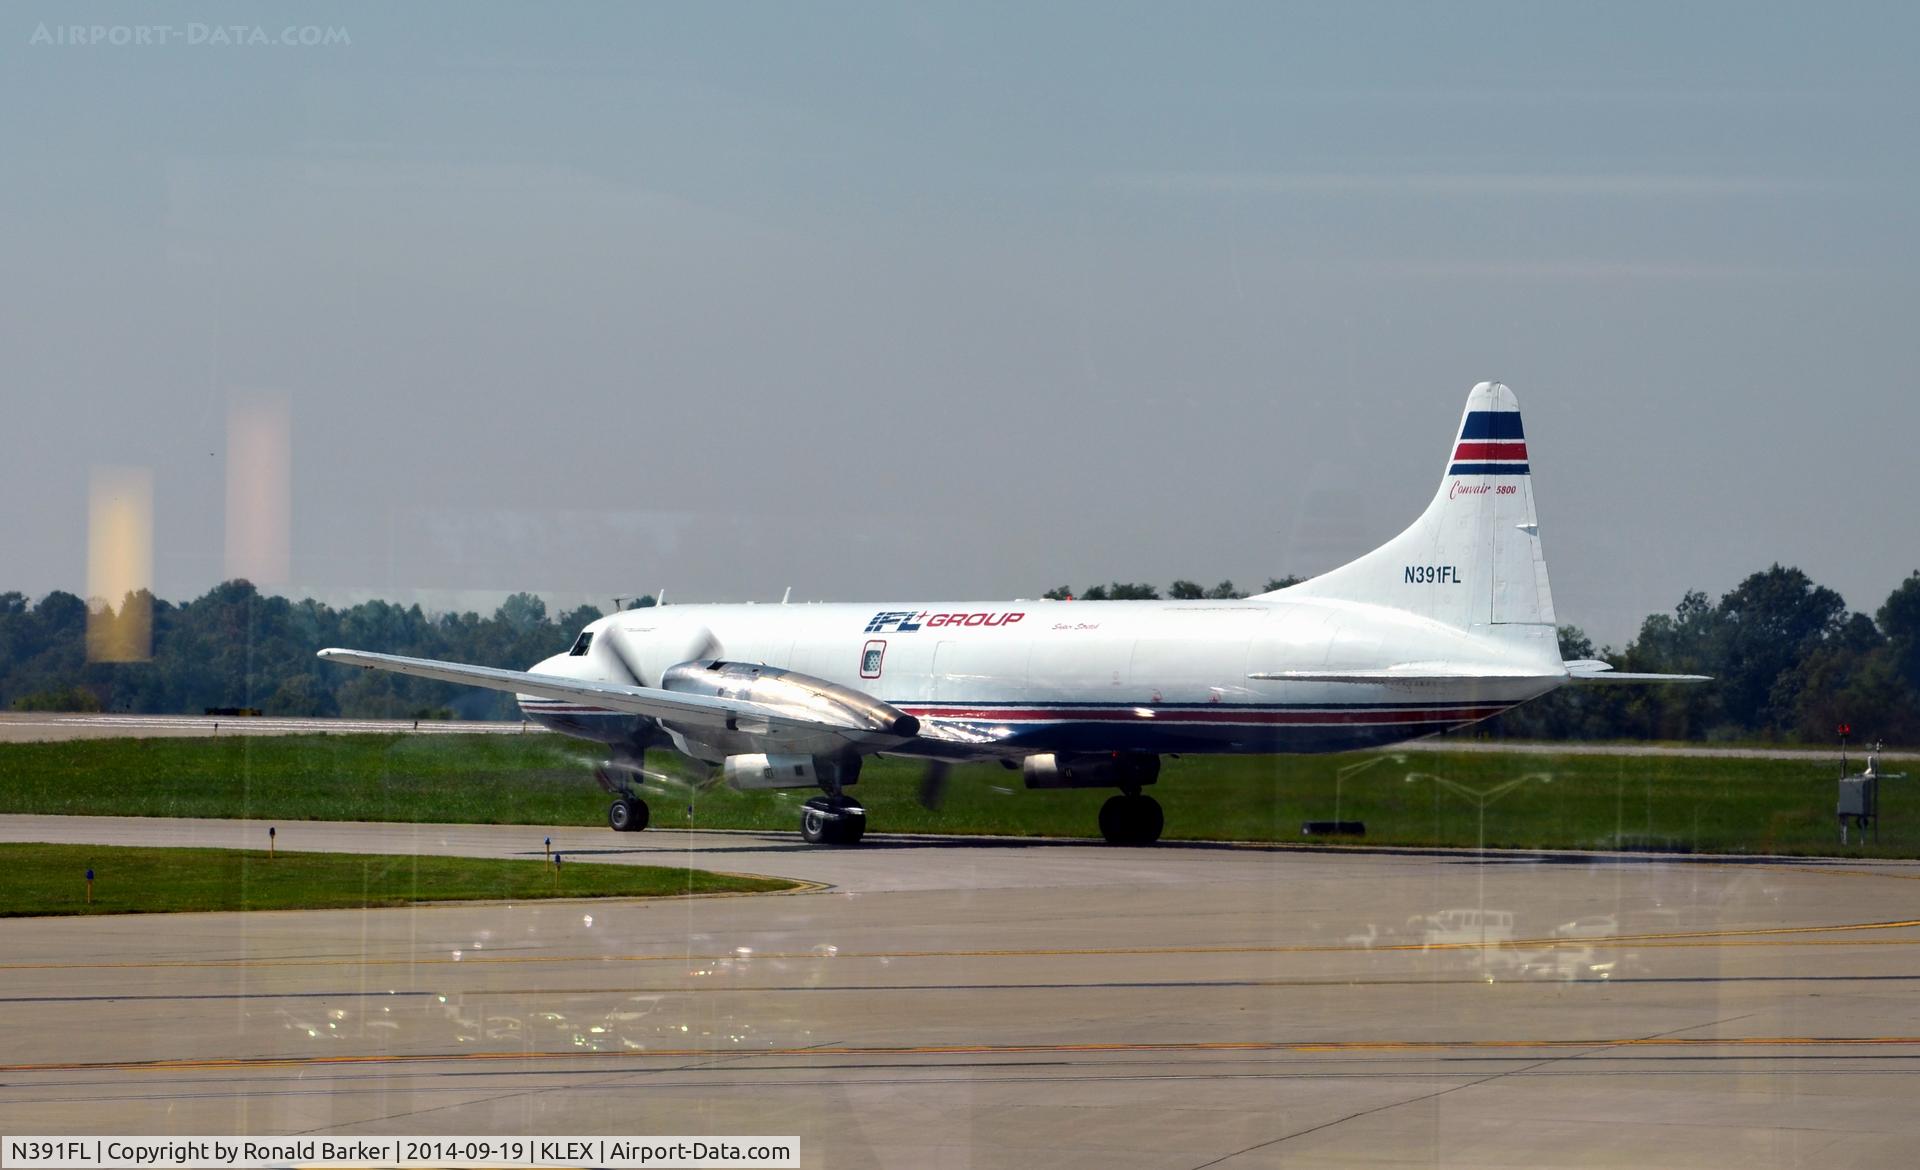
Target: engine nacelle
pixel 1091 770
pixel 756 770
pixel 764 771
pixel 790 692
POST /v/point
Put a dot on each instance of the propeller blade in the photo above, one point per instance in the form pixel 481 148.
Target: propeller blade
pixel 933 785
pixel 701 645
pixel 615 641
pixel 687 775
pixel 669 779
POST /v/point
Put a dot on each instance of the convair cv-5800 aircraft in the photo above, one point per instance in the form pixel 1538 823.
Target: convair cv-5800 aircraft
pixel 1448 623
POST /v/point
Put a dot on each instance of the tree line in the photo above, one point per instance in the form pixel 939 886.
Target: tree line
pixel 1789 660
pixel 235 647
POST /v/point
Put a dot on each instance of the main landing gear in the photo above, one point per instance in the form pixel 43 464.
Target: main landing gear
pixel 1127 819
pixel 1131 819
pixel 628 814
pixel 832 820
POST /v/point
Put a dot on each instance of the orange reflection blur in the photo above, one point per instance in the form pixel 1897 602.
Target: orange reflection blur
pixel 120 565
pixel 259 489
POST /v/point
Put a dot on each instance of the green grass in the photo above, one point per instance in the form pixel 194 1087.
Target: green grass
pixel 51 879
pixel 1686 803
pixel 511 779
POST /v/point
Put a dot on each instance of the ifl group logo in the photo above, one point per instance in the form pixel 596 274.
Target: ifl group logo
pixel 905 621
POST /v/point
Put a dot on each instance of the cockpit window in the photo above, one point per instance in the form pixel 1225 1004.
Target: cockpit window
pixel 581 643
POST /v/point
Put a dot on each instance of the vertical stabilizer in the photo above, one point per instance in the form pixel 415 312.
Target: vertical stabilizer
pixel 1473 558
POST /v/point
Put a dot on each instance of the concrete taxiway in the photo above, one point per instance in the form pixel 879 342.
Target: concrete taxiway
pixel 1010 1003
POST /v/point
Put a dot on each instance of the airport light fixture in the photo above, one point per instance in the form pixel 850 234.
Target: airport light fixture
pixel 1481 798
pixel 1340 777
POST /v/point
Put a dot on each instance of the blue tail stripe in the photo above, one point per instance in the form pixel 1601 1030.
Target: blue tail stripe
pixel 1492 424
pixel 1487 469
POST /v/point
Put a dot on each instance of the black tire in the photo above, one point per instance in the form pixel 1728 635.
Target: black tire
pixel 825 820
pixel 1131 820
pixel 1148 820
pixel 628 814
pixel 852 827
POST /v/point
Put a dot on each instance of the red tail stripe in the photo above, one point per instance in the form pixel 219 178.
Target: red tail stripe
pixel 1510 450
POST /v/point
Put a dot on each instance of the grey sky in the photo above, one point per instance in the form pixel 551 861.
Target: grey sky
pixel 966 302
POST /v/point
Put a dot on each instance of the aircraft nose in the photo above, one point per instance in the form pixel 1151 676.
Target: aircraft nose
pixel 552 664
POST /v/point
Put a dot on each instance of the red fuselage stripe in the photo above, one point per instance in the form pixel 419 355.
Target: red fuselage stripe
pixel 1223 714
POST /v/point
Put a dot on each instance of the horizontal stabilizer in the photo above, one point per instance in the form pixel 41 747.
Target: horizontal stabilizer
pixel 1593 670
pixel 1409 672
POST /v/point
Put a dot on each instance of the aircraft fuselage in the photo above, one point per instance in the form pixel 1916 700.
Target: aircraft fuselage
pixel 1057 676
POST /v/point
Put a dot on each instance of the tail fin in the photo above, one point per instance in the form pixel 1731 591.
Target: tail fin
pixel 1473 558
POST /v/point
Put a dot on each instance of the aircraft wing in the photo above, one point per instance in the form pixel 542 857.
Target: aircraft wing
pixel 670 706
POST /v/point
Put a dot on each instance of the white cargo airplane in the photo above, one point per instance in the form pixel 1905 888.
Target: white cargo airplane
pixel 1448 623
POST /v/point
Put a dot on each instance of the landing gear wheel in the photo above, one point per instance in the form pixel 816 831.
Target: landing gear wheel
pixel 628 814
pixel 1150 819
pixel 1131 820
pixel 832 820
pixel 853 826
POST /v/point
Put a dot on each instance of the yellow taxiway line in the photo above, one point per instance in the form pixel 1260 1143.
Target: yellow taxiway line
pixel 1316 1046
pixel 1750 936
